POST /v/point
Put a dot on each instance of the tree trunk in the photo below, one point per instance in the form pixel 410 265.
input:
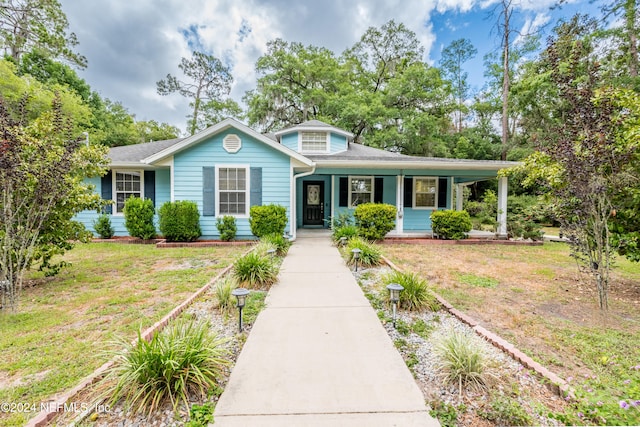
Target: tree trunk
pixel 630 18
pixel 505 79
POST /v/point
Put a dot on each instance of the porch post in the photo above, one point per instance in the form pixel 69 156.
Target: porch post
pixel 459 196
pixel 452 180
pixel 399 204
pixel 502 207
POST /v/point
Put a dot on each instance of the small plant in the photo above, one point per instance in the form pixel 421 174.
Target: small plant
pixel 446 413
pixel 343 219
pixel 227 228
pixel 267 219
pixel 103 226
pixel 138 218
pixel 422 329
pixel 450 224
pixel 278 241
pixel 416 295
pixel 224 299
pixel 262 248
pixel 179 221
pixel 184 358
pixel 255 271
pixel 200 415
pixel 369 256
pixel 462 361
pixel 348 231
pixel 375 220
pixel 506 411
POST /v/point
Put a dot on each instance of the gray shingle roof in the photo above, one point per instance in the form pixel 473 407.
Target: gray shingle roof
pixel 137 152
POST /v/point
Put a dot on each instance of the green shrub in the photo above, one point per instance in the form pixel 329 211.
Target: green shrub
pixel 225 301
pixel 462 361
pixel 201 415
pixel 520 226
pixel 348 231
pixel 103 226
pixel 278 241
pixel 416 295
pixel 267 219
pixel 256 271
pixel 473 207
pixel 263 248
pixel 375 220
pixel 138 218
pixel 179 221
pixel 450 224
pixel 183 358
pixel 505 411
pixel 341 220
pixel 370 255
pixel 446 413
pixel 227 228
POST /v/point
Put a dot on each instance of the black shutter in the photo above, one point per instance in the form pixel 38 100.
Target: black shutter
pixel 106 190
pixel 150 186
pixel 208 191
pixel 377 189
pixel 408 192
pixel 344 192
pixel 255 187
pixel 442 192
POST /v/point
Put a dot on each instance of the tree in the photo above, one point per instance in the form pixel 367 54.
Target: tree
pixel 210 81
pixel 38 26
pixel 453 57
pixel 153 131
pixel 42 172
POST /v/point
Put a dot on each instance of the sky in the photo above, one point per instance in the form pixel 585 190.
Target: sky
pixel 131 44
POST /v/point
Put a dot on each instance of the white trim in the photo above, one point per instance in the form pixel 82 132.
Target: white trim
pixel 399 204
pixel 373 189
pixel 327 128
pixel 172 180
pixel 414 193
pixel 450 183
pixel 333 198
pixel 114 195
pixel 247 189
pixel 459 196
pixel 327 137
pixel 503 190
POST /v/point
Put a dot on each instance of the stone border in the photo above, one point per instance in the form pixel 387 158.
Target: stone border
pixel 162 243
pixel 57 404
pixel 468 242
pixel 555 383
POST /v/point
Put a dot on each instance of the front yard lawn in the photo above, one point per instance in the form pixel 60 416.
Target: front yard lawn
pixel 63 324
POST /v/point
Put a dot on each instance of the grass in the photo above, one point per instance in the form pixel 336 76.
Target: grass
pixel 62 326
pixel 477 281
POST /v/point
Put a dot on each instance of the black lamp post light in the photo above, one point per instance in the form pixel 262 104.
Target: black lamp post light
pixel 241 295
pixel 342 241
pixel 394 294
pixel 356 255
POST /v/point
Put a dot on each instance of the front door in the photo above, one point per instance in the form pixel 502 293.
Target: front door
pixel 313 203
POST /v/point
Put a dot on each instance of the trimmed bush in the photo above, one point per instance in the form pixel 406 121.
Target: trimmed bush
pixel 267 219
pixel 255 271
pixel 416 295
pixel 183 358
pixel 375 220
pixel 103 226
pixel 179 221
pixel 450 224
pixel 370 255
pixel 227 228
pixel 280 243
pixel 138 218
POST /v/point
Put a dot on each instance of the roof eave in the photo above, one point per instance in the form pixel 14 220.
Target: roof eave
pixel 314 129
pixel 395 164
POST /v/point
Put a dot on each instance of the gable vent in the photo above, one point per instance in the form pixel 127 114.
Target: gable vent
pixel 232 143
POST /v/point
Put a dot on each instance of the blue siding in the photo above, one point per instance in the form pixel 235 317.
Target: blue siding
pixel 163 187
pixel 338 143
pixel 290 141
pixel 276 175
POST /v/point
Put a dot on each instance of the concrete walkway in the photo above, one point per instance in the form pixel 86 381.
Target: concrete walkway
pixel 318 355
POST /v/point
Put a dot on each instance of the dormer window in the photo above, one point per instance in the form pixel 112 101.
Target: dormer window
pixel 313 141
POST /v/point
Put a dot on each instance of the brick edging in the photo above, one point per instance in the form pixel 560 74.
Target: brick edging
pixel 43 418
pixel 555 383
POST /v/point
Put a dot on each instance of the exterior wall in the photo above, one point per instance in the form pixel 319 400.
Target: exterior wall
pixel 163 187
pixel 290 140
pixel 276 176
pixel 338 143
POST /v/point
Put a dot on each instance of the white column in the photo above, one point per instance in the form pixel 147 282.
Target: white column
pixel 502 206
pixel 333 199
pixel 399 204
pixel 459 196
pixel 451 196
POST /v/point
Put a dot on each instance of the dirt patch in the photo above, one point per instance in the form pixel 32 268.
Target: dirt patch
pixel 170 265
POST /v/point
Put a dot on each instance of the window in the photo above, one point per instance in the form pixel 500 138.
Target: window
pixel 425 192
pixel 128 184
pixel 313 141
pixel 360 190
pixel 232 190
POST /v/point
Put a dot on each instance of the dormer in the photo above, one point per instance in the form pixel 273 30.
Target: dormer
pixel 314 137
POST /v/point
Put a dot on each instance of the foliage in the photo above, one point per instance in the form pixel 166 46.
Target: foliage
pixel 521 226
pixel 267 219
pixel 374 220
pixel 138 218
pixel 184 358
pixel 102 226
pixel 227 228
pixel 200 415
pixel 225 301
pixel 462 361
pixel 343 219
pixel 42 167
pixel 280 243
pixel 369 256
pixel 451 224
pixel 446 413
pixel 453 56
pixel 505 411
pixel 348 231
pixel 255 271
pixel 151 130
pixel 179 221
pixel 416 295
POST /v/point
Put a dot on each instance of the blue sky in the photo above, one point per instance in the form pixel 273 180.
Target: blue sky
pixel 131 44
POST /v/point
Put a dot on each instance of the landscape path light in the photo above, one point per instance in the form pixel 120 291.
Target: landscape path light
pixel 394 295
pixel 241 295
pixel 271 252
pixel 356 255
pixel 343 241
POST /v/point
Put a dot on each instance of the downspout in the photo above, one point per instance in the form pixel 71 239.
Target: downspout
pixel 294 186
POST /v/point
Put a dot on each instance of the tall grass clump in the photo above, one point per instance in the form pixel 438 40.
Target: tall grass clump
pixel 255 270
pixel 370 255
pixel 416 295
pixel 225 301
pixel 462 361
pixel 280 243
pixel 185 358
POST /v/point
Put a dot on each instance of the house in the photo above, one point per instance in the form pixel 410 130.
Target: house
pixel 313 169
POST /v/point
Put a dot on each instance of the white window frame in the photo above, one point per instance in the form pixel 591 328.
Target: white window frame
pixel 373 183
pixel 415 192
pixel 327 141
pixel 114 188
pixel 247 189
